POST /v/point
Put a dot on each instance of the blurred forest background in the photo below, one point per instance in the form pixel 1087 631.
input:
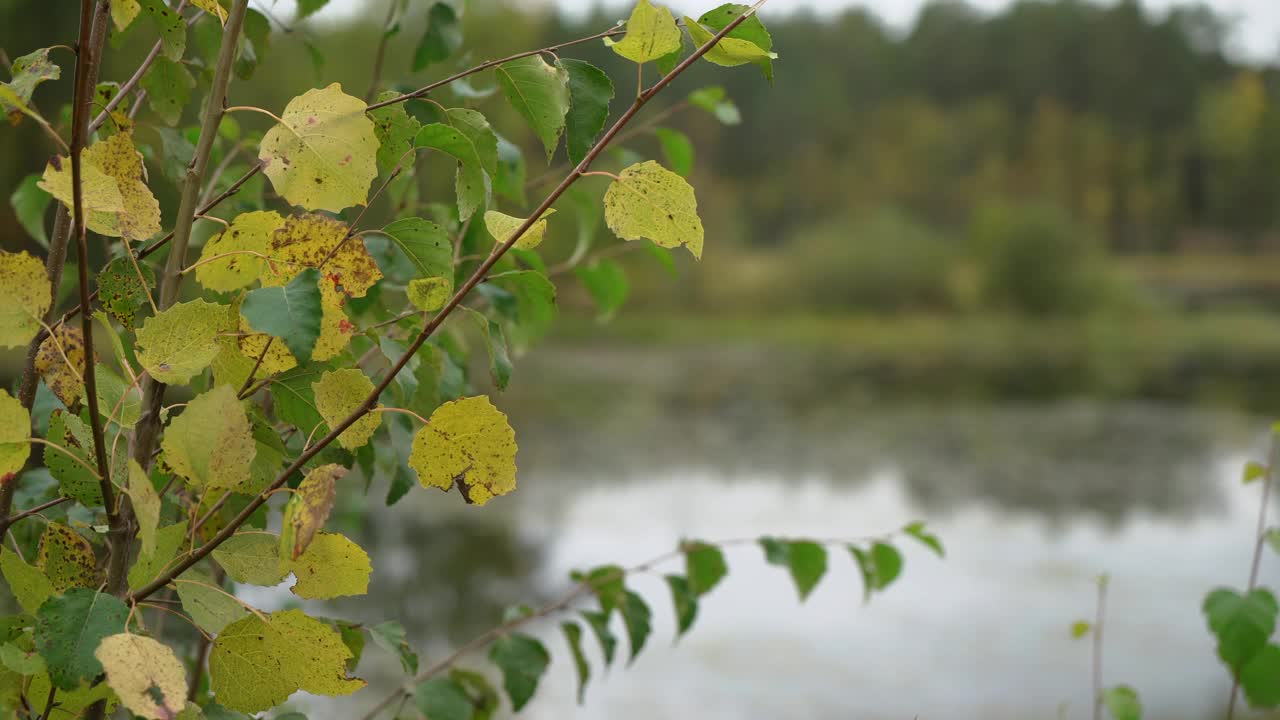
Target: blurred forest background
pixel 1060 197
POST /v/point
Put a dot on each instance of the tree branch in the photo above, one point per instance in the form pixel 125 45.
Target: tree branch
pixel 476 278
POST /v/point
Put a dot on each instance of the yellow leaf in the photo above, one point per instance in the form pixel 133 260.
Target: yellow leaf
pixel 116 198
pixel 179 343
pixel 323 155
pixel 213 8
pixel 333 566
pixel 649 201
pixel 467 443
pixel 66 344
pixel 257 663
pixel 651 34
pixel 250 232
pixel 304 241
pixel 123 13
pixel 15 436
pixel 340 392
pixel 145 674
pixel 25 296
pixel 66 558
pixel 502 227
pixel 308 509
pixel 211 442
pixel 729 52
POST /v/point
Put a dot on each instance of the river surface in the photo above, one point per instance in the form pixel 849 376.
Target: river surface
pixel 622 453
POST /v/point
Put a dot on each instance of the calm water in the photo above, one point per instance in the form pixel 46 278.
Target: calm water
pixel 1032 502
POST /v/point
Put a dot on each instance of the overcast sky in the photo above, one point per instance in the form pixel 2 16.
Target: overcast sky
pixel 1256 35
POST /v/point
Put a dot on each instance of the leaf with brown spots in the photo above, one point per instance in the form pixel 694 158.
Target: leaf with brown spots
pixel 304 241
pixel 239 246
pixel 116 197
pixel 25 296
pixel 123 289
pixel 470 444
pixel 60 362
pixel 308 509
pixel 66 558
pixel 333 566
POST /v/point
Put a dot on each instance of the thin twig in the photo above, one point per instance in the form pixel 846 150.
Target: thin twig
pixel 380 54
pixel 134 79
pixel 23 515
pixel 1259 542
pixel 475 279
pixel 1099 614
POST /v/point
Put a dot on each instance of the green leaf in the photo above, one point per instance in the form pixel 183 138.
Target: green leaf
pixel 1273 539
pixel 29 586
pixel 145 674
pixel 74 478
pixel 469 184
pixel 21 661
pixel 308 509
pixel 323 155
pixel 477 129
pixel 442 38
pixel 29 205
pixel 713 100
pixel 599 623
pixel 510 180
pixel 704 565
pixel 1080 628
pixel 470 444
pixel 1122 702
pixel 590 91
pixel 68 630
pixel 390 636
pixel 685 602
pixel 806 561
pixel 338 393
pixel 573 636
pixel 496 342
pixel 310 7
pixel 1253 471
pixel 116 396
pixel 291 313
pixel 295 400
pixel 888 564
pixel 750 30
pixel 211 608
pixel 395 129
pixel 252 558
pixel 28 72
pixel 179 343
pixel 171 26
pixel 649 201
pixel 608 584
pixel 917 530
pixel 651 34
pixel 401 484
pixel 426 245
pixel 677 149
pixel 25 296
pixel 443 699
pixel 148 566
pixel 168 86
pixel 729 51
pixel 15 436
pixel 522 660
pixel 256 663
pixel 638 620
pixel 535 306
pixel 146 506
pixel 1260 678
pixel 1242 623
pixel 211 443
pixel 540 93
pixel 607 283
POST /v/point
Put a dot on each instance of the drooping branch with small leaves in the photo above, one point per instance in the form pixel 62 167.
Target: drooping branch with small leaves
pixel 137 511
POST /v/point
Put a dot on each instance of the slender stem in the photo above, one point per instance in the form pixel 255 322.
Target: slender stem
pixel 1260 540
pixel 48 703
pixel 248 381
pixel 476 278
pixel 23 515
pixel 1099 614
pixel 615 30
pixel 381 53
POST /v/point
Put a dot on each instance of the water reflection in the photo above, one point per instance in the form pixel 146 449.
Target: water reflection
pixel 1033 502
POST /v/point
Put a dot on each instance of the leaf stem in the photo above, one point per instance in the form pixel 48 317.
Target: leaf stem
pixel 1259 542
pixel 475 279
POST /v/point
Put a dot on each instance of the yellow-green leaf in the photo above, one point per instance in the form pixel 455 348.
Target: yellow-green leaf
pixel 66 558
pixel 115 195
pixel 249 233
pixel 338 394
pixel 467 443
pixel 209 606
pixel 169 540
pixel 651 34
pixel 124 12
pixel 27 583
pixel 145 674
pixel 146 505
pixel 730 51
pixel 304 241
pixel 540 93
pixel 323 155
pixel 502 227
pixel 180 342
pixel 60 363
pixel 257 663
pixel 15 436
pixel 211 442
pixel 213 8
pixel 429 294
pixel 308 509
pixel 252 558
pixel 25 296
pixel 649 201
pixel 69 704
pixel 332 566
